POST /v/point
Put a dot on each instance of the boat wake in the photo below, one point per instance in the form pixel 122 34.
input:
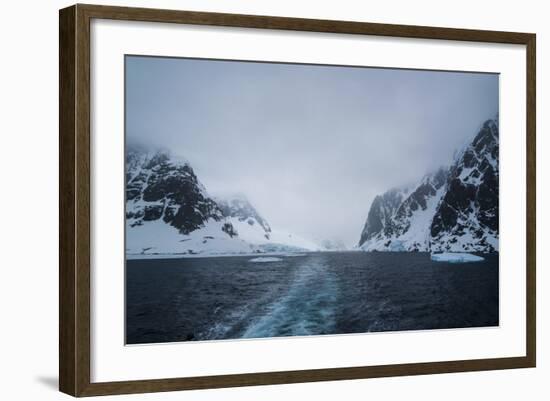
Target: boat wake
pixel 307 308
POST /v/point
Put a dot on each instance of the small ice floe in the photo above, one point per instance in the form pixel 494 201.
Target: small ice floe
pixel 455 257
pixel 291 255
pixel 263 259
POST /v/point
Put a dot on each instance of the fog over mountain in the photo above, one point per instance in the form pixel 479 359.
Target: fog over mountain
pixel 309 146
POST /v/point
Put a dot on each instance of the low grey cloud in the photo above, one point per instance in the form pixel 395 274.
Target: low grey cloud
pixel 309 145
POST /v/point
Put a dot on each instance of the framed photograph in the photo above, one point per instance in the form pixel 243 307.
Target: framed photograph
pixel 250 200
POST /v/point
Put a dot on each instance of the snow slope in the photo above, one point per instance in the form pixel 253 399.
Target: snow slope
pixel 407 228
pixel 254 229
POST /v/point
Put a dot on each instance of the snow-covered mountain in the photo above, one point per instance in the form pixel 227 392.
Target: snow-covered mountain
pixel 453 209
pixel 400 219
pixel 380 218
pixel 243 216
pixel 169 211
pixel 467 216
pixel 335 245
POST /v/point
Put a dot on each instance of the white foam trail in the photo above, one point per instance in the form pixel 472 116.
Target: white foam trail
pixel 306 309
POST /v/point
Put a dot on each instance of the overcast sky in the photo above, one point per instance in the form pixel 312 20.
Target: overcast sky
pixel 309 145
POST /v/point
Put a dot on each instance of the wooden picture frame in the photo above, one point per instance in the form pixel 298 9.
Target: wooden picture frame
pixel 75 207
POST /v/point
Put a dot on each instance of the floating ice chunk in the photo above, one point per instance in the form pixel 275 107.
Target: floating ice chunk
pixel 265 259
pixel 455 257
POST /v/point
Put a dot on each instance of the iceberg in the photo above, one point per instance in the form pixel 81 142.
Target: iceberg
pixel 455 257
pixel 265 259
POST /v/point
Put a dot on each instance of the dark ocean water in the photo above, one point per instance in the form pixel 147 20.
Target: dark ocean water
pixel 318 293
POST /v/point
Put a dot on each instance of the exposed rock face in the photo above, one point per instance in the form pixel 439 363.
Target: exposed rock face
pixel 467 216
pixel 381 213
pixel 159 187
pixel 453 209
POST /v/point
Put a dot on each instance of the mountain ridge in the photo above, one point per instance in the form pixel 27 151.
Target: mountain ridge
pixel 452 209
